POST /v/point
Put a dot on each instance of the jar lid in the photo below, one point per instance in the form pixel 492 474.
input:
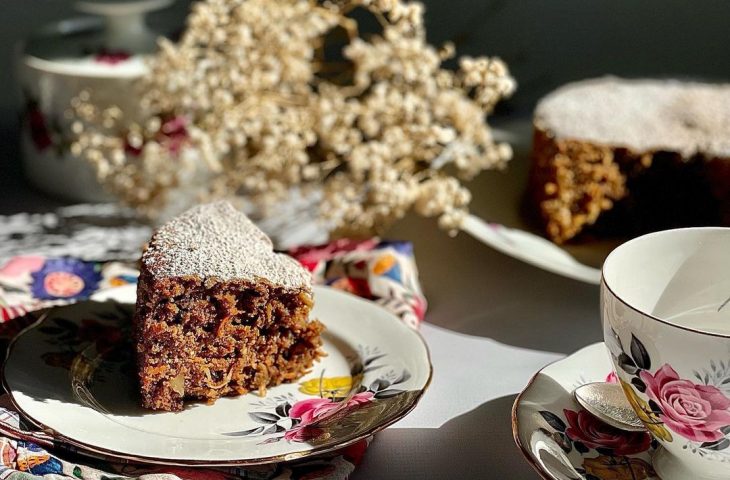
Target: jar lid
pixel 111 44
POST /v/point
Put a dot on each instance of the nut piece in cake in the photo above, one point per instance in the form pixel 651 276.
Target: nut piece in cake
pixel 219 313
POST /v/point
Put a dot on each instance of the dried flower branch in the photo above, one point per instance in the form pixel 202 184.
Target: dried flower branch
pixel 247 103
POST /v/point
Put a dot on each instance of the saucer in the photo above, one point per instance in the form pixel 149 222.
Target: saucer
pixel 561 440
pixel 72 375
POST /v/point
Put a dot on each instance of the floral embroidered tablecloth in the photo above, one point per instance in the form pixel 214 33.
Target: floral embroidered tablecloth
pixel 62 257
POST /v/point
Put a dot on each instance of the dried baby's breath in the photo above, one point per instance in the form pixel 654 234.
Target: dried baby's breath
pixel 248 102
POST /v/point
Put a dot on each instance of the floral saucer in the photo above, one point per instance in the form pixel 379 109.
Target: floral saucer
pixel 72 375
pixel 561 440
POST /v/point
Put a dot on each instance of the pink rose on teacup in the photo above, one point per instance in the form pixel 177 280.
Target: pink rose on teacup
pixel 696 412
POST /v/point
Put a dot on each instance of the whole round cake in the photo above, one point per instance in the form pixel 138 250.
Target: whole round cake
pixel 620 157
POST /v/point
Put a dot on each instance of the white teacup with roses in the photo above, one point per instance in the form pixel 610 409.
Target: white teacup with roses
pixel 665 301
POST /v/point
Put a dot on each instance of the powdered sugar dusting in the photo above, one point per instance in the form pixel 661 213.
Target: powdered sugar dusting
pixel 644 115
pixel 216 240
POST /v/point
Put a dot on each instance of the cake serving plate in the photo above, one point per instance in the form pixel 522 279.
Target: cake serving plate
pixel 72 376
pixel 561 440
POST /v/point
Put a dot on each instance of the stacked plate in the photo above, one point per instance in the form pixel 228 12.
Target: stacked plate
pixel 72 376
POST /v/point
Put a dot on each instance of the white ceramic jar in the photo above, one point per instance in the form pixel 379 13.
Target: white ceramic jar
pixel 103 54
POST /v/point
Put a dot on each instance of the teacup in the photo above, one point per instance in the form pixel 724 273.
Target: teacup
pixel 665 300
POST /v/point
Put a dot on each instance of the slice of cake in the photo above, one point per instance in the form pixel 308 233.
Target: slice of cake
pixel 622 157
pixel 219 312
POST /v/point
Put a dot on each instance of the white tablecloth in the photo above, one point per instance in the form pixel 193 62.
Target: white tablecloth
pixel 492 323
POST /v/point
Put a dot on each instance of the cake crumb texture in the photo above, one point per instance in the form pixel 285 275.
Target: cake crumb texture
pixel 630 156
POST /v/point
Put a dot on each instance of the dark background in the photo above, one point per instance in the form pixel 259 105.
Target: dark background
pixel 545 43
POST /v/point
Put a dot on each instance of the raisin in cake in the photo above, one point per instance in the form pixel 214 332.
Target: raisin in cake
pixel 218 311
pixel 622 157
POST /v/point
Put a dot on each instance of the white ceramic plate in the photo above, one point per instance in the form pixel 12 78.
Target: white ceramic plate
pixel 561 440
pixel 72 375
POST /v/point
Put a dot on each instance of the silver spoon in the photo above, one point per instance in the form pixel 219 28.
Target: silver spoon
pixel 608 402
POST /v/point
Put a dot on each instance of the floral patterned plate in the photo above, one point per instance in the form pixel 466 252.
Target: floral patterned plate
pixel 72 375
pixel 561 440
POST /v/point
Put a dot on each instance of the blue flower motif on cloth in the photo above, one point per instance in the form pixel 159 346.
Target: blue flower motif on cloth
pixel 387 266
pixel 32 282
pixel 382 271
pixel 65 278
pixel 33 459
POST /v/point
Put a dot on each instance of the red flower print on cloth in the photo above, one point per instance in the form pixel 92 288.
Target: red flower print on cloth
pixel 356 286
pixel 593 433
pixel 311 256
pixel 379 270
pixel 696 412
pixel 356 451
pixel 8 453
pixel 313 410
